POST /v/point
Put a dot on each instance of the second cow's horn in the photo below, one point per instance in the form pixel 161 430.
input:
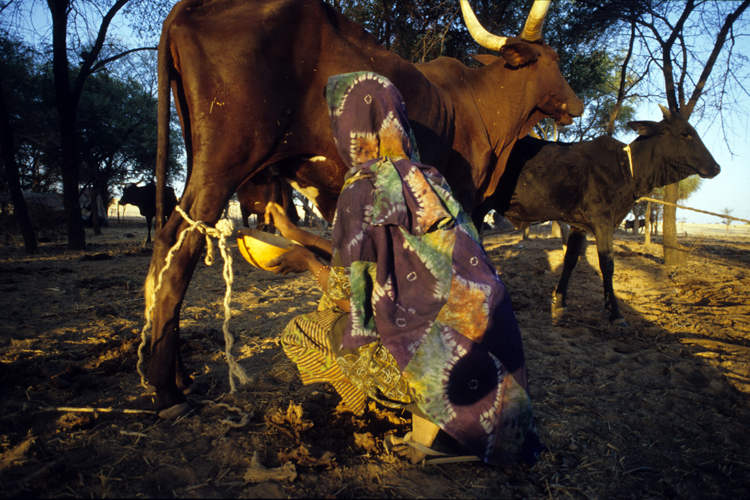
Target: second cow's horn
pixel 532 30
pixel 478 33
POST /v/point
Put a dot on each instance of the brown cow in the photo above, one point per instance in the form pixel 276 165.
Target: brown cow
pixel 249 81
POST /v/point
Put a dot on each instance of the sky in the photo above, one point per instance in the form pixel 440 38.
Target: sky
pixel 729 190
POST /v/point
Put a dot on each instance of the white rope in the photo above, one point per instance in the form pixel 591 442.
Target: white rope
pixel 630 158
pixel 223 229
pixel 723 216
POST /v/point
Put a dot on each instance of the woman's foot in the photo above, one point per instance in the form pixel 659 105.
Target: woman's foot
pixel 423 432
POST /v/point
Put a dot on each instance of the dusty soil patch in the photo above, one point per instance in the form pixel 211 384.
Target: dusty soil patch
pixel 658 410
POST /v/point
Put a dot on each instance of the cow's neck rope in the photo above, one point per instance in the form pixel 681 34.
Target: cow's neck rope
pixel 630 159
pixel 223 229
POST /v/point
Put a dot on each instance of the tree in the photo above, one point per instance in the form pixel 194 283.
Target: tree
pixel 685 45
pixel 728 219
pixel 117 131
pixel 68 93
pixel 653 212
pixel 113 115
pixel 13 62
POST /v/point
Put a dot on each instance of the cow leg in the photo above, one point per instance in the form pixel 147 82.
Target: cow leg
pixel 245 216
pixel 575 243
pixel 269 228
pixel 166 372
pixel 148 226
pixel 605 249
pixel 477 217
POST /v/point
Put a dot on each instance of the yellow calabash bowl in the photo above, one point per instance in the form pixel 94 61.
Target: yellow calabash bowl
pixel 258 247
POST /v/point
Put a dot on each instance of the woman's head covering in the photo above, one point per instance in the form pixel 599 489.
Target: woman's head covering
pixel 377 129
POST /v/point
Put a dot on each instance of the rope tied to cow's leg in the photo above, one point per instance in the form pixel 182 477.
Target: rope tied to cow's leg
pixel 150 311
pixel 223 229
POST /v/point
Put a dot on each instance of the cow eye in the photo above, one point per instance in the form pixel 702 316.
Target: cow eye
pixel 687 136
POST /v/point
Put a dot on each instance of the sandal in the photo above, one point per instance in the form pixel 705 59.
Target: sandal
pixel 392 440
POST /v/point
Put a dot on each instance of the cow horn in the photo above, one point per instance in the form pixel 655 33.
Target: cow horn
pixel 666 112
pixel 478 33
pixel 532 30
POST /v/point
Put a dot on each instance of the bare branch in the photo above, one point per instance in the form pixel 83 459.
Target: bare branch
pixel 3 7
pixel 621 89
pixel 720 39
pixel 104 62
pixel 90 57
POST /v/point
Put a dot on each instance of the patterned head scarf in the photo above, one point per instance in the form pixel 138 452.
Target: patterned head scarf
pixel 380 128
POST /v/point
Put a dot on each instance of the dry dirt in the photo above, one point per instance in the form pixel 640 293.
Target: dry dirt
pixel 657 410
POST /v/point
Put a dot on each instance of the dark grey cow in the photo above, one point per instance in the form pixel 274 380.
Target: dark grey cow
pixel 144 197
pixel 593 185
pixel 630 224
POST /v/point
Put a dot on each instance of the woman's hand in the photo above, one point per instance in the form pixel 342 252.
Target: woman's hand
pixel 297 260
pixel 289 229
pixel 275 213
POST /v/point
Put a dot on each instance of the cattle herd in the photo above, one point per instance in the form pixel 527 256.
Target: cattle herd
pixel 258 133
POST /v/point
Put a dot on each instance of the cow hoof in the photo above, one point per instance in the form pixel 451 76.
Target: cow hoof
pixel 176 411
pixel 621 323
pixel 557 314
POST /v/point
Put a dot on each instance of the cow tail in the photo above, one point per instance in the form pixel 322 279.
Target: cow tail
pixel 162 149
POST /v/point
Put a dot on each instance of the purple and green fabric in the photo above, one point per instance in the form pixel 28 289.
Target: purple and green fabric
pixel 421 283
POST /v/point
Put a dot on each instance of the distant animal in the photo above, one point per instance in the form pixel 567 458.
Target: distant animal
pixel 593 185
pixel 144 197
pixel 255 194
pixel 630 223
pixel 249 84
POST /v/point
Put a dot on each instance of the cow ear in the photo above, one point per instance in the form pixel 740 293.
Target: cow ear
pixel 645 128
pixel 518 53
pixel 484 59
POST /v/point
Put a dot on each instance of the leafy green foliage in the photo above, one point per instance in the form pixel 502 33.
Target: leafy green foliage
pixel 116 126
pixel 118 130
pixel 32 119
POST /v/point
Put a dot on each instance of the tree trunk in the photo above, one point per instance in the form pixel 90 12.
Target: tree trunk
pixel 66 112
pixel 14 182
pixel 648 223
pixel 95 220
pixel 674 253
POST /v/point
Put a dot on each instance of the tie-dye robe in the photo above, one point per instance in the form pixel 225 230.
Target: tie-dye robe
pixel 421 283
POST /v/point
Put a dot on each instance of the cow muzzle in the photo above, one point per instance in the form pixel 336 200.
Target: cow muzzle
pixel 568 110
pixel 710 172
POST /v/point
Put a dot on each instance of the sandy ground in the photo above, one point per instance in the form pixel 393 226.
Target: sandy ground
pixel 657 410
pixel 734 230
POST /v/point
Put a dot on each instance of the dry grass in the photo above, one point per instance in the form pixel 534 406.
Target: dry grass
pixel 658 410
